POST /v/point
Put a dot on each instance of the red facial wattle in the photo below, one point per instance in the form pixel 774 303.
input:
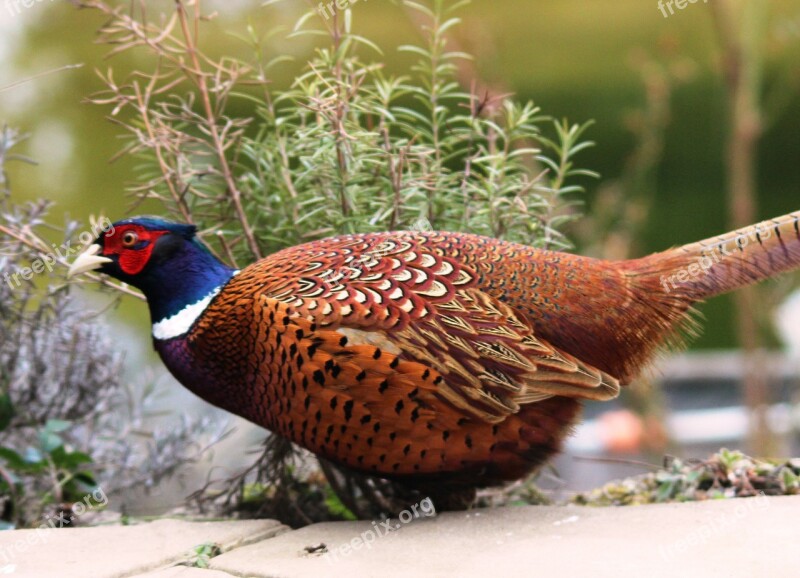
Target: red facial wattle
pixel 132 259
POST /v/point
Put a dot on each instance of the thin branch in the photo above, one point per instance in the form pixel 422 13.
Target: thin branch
pixel 41 74
pixel 200 79
pixel 37 244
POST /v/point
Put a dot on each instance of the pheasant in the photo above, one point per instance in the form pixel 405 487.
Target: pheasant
pixel 422 357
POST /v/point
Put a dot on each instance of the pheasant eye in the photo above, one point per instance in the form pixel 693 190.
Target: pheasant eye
pixel 129 239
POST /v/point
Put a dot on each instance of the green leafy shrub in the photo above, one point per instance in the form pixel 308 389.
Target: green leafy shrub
pixel 345 148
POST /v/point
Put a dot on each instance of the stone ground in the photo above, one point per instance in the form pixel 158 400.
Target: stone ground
pixel 749 538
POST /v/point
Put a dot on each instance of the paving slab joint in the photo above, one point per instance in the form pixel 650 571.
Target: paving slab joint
pixel 198 557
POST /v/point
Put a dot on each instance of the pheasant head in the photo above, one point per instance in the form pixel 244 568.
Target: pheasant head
pixel 165 260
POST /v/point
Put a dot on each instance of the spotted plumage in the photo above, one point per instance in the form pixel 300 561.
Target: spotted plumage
pixel 419 356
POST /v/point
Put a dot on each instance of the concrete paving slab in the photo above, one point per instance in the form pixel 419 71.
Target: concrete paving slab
pixel 119 551
pixel 744 538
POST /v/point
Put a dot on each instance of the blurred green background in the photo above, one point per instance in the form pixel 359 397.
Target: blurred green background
pixel 575 59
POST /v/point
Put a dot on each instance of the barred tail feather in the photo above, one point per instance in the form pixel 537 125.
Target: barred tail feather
pixel 721 264
pixel 667 284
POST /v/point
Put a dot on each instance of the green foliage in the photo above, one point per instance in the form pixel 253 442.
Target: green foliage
pixel 726 474
pixel 346 148
pixel 51 458
pixel 336 507
pixel 202 554
pixel 349 150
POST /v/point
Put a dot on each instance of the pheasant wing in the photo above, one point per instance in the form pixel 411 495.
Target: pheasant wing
pixel 407 297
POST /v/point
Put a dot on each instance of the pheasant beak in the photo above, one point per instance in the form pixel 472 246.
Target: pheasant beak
pixel 89 260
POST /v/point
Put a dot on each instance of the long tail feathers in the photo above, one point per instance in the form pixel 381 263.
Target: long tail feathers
pixel 666 285
pixel 721 264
